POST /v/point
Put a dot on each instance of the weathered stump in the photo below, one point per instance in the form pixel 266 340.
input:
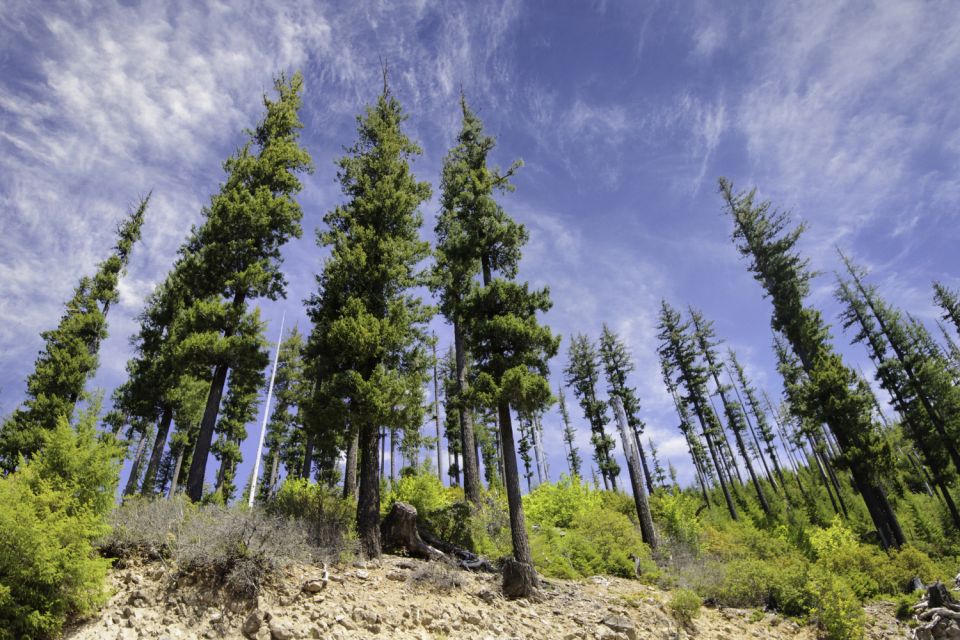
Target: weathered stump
pixel 398 532
pixel 519 579
pixel 938 596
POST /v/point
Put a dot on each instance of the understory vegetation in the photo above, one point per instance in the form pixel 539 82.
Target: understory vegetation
pixel 801 562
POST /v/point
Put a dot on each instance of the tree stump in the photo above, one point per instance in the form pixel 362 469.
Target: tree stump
pixel 398 531
pixel 519 579
pixel 938 596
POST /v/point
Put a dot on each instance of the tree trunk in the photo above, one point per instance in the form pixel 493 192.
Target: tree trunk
pixel 393 455
pixel 399 533
pixel 471 471
pixel 436 411
pixel 643 462
pixel 716 461
pixel 307 459
pixel 132 481
pixel 633 465
pixel 198 464
pixel 274 476
pixel 368 505
pixel 518 532
pixel 350 468
pixel 159 442
pixel 174 480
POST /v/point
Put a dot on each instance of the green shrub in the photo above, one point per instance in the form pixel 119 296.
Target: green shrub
pixel 837 611
pixel 684 605
pixel 52 509
pixel 753 582
pixel 557 504
pixel 328 516
pixel 421 489
pixel 676 515
pixel 598 541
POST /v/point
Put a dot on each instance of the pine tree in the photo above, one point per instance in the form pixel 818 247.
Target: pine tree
pixel 795 386
pixel 680 366
pixel 468 185
pixel 574 461
pixel 835 394
pixel 618 365
pixel 239 408
pixel 949 301
pixel 510 347
pixel 659 475
pixel 368 323
pixel 759 416
pixel 936 447
pixel 69 357
pixel 285 437
pixel 453 407
pixel 234 256
pixel 582 375
pixel 736 420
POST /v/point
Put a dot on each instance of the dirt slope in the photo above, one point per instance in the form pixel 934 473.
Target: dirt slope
pixel 402 598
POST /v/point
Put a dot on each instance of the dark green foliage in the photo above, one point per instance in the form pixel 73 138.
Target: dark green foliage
pixel 234 255
pixel 949 302
pixel 919 383
pixel 833 393
pixel 574 462
pixel 682 370
pixel 617 365
pixel 582 375
pixel 368 336
pixel 473 238
pixel 69 357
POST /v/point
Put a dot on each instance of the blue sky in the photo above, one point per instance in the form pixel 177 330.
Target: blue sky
pixel 846 113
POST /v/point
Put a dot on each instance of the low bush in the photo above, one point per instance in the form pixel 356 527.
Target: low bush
pixel 441 577
pixel 327 516
pixel 676 515
pixel 684 606
pixel 423 490
pixel 145 527
pixel 557 504
pixel 598 541
pixel 239 547
pixel 754 582
pixel 52 509
pixel 837 610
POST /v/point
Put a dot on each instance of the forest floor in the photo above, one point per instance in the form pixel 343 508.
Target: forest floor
pixel 405 598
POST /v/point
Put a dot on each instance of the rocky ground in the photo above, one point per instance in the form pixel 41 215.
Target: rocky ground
pixel 404 598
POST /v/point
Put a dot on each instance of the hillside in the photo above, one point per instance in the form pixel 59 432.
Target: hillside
pixel 408 598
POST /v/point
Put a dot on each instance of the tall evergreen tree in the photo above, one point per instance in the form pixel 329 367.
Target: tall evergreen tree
pixel 367 320
pixel 285 427
pixel 937 446
pixel 510 347
pixel 468 185
pixel 233 257
pixel 736 420
pixel 949 301
pixel 681 368
pixel 583 374
pixel 759 416
pixel 617 364
pixel 834 393
pixel 69 357
pixel 574 461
